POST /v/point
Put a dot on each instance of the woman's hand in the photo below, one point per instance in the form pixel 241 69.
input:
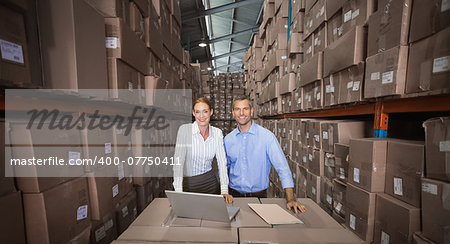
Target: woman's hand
pixel 228 198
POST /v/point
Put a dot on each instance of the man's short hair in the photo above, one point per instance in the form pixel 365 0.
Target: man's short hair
pixel 242 97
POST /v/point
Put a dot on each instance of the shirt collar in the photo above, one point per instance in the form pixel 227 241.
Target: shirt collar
pixel 196 130
pixel 252 129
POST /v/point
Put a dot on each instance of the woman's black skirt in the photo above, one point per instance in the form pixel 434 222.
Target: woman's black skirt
pixel 204 183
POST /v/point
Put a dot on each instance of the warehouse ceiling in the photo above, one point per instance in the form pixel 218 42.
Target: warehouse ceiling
pixel 226 26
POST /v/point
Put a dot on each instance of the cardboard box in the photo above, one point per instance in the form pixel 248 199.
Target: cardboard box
pixel 428 63
pixel 356 13
pixel 12 228
pixel 105 230
pixel 404 170
pixel 339 198
pixel 116 8
pixel 294 64
pixel 295 44
pixel 395 220
pixel 6 183
pixel 297 6
pixel 389 26
pixel 124 44
pixel 280 39
pixel 246 217
pixel 164 19
pixel 347 51
pixel 341 154
pixel 296 151
pixel 334 27
pixel 286 103
pixel 144 194
pixel 367 163
pixel 126 212
pixel 428 18
pixel 340 132
pixel 320 39
pixel 437 150
pixel 293 235
pixel 313 187
pixel 153 83
pixel 314 135
pixel 153 33
pixel 418 238
pixel 360 216
pixel 297 96
pixel 329 170
pixel 326 193
pixel 309 4
pixel 15 62
pixel 124 81
pixel 312 95
pixel 300 183
pixel 175 9
pixel 180 234
pixel 287 83
pixel 331 89
pixel 137 21
pixel 311 70
pixel 59 214
pixel 103 195
pixel 19 135
pixel 297 21
pixel 386 73
pixel 351 83
pixel 176 49
pixel 73 52
pixel 319 13
pixel 316 161
pixel 308 47
pixel 435 210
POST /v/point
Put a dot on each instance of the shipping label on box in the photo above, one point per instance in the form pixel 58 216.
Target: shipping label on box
pixel 367 163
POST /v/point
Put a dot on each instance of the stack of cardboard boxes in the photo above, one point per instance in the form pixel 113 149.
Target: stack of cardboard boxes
pixel 12 223
pixel 119 47
pixel 377 187
pixel 222 89
pixel 19 42
pixel 316 152
pixel 348 51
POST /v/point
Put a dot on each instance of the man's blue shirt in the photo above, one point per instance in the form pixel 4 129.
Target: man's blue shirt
pixel 250 156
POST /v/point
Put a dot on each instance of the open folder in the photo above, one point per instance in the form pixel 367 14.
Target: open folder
pixel 273 214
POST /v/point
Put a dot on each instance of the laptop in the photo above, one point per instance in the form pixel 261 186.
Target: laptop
pixel 201 206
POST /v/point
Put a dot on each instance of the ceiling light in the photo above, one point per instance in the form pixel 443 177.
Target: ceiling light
pixel 209 68
pixel 202 44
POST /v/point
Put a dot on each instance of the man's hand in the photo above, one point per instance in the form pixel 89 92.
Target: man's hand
pixel 291 202
pixel 295 205
pixel 228 198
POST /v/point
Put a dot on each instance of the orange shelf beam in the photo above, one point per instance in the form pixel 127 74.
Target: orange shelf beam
pixel 439 103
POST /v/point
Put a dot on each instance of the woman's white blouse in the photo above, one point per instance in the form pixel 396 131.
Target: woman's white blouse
pixel 196 155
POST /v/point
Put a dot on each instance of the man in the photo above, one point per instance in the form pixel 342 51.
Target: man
pixel 251 149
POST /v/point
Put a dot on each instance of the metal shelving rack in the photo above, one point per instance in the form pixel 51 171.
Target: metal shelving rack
pixel 380 109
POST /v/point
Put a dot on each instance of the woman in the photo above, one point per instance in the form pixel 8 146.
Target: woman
pixel 197 144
